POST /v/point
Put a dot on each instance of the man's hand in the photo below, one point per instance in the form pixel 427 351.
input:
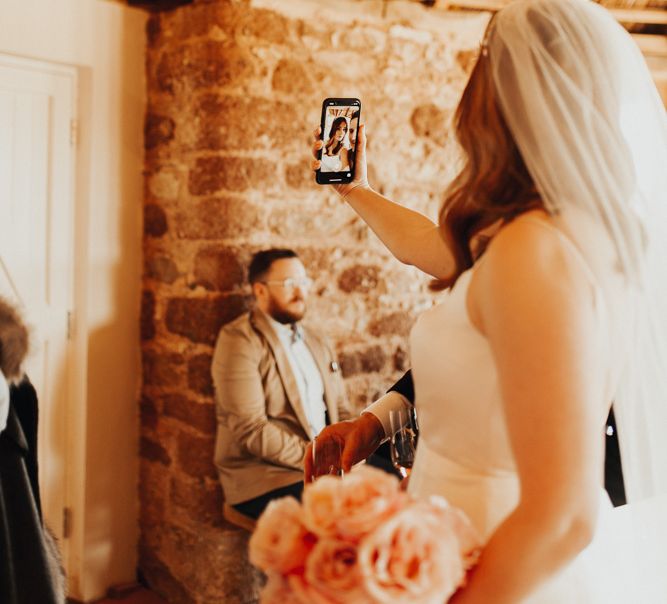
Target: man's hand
pixel 358 439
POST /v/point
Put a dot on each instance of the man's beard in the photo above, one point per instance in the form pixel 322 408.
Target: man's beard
pixel 283 315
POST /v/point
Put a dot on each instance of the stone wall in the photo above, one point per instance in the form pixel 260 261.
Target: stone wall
pixel 234 92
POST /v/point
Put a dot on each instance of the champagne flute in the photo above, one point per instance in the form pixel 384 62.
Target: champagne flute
pixel 403 440
pixel 326 455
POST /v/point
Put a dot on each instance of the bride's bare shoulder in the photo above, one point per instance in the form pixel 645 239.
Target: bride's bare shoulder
pixel 527 242
pixel 530 253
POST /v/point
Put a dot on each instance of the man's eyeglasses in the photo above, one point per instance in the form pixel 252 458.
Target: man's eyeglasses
pixel 291 283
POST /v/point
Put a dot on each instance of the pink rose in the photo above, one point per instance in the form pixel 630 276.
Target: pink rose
pixel 277 591
pixel 321 503
pixel 352 507
pixel 369 497
pixel 454 521
pixel 280 542
pixel 332 567
pixel 411 559
pixel 306 593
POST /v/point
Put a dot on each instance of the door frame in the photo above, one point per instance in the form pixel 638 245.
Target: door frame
pixel 76 350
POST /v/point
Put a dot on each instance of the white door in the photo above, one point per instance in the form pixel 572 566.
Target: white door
pixel 37 104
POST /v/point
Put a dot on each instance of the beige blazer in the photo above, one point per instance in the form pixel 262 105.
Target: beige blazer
pixel 262 425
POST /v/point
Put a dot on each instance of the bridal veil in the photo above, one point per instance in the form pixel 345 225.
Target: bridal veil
pixel 584 111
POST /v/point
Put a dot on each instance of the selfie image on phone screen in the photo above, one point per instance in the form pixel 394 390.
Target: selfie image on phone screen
pixel 340 123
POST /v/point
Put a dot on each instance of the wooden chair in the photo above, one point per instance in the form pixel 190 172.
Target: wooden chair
pixel 236 518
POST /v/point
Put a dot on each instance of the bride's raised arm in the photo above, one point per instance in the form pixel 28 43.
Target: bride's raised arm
pixel 409 235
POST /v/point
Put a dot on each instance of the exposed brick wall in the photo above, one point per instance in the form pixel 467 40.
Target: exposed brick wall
pixel 234 91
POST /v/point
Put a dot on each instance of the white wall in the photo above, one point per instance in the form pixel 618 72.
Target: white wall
pixel 106 42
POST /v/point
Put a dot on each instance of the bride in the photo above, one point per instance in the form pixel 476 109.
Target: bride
pixel 565 145
pixel 335 155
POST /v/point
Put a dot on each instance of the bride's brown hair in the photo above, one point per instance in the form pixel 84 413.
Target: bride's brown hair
pixel 494 183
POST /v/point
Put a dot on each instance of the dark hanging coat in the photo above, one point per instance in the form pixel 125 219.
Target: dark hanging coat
pixel 27 570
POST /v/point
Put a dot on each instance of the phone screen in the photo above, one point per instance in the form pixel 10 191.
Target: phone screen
pixel 340 124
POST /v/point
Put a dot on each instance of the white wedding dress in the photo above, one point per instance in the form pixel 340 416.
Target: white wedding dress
pixel 332 163
pixel 464 452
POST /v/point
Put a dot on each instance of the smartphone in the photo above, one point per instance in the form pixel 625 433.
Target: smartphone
pixel 338 129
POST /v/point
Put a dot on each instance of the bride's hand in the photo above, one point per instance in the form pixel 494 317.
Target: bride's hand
pixel 360 171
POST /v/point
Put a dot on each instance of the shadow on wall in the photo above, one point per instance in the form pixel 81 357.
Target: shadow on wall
pixel 113 289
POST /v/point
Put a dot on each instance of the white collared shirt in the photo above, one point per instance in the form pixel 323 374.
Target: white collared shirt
pixel 308 377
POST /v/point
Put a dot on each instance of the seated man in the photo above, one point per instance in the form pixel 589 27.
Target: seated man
pixel 277 384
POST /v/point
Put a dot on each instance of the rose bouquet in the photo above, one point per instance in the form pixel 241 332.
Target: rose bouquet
pixel 361 540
